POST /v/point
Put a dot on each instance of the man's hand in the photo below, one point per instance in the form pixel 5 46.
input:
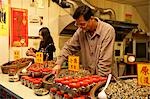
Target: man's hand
pixel 56 70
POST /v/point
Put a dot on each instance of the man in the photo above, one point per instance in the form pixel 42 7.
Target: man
pixel 95 40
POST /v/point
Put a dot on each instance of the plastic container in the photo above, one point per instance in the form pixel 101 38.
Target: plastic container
pixel 52 92
pixel 36 84
pixel 59 94
pixel 36 73
pixel 22 79
pixel 29 82
pixel 85 88
pixel 26 78
pixel 66 96
pixel 74 89
pixel 46 71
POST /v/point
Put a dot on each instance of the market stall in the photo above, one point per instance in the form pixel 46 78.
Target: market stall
pixel 37 80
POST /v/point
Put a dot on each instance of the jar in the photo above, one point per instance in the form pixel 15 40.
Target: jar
pixel 40 79
pixel 26 78
pixel 81 97
pixel 22 79
pixel 89 81
pixel 46 71
pixel 58 82
pixel 36 73
pixel 29 71
pixel 85 88
pixel 36 84
pixel 59 94
pixel 52 92
pixel 75 89
pixel 30 81
pixel 66 96
pixel 12 71
pixel 65 84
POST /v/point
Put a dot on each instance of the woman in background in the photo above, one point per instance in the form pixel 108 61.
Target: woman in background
pixel 46 45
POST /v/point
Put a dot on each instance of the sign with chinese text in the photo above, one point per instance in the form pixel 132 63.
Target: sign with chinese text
pixel 4 18
pixel 39 57
pixel 19 27
pixel 143 71
pixel 16 54
pixel 73 63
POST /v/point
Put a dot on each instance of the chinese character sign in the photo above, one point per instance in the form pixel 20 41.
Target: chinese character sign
pixel 4 18
pixel 19 27
pixel 143 74
pixel 73 63
pixel 16 54
pixel 39 57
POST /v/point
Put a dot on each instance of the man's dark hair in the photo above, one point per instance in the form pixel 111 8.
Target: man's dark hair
pixel 83 10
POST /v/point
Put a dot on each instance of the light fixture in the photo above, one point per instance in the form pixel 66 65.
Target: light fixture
pixel 129 58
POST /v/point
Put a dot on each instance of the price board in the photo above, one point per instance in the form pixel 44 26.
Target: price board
pixel 73 63
pixel 143 71
pixel 16 54
pixel 39 57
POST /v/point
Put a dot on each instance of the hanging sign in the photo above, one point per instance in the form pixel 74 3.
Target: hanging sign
pixel 143 71
pixel 4 18
pixel 73 63
pixel 19 27
pixel 39 57
pixel 16 54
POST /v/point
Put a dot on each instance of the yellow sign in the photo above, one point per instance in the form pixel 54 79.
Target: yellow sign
pixel 39 57
pixel 16 54
pixel 143 71
pixel 73 63
pixel 4 20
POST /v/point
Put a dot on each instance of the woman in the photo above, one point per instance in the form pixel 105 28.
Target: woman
pixel 46 45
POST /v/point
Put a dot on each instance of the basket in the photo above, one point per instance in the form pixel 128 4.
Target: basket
pixel 48 84
pixel 96 89
pixel 18 64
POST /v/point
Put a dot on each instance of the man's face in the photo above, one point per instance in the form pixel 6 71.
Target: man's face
pixel 82 23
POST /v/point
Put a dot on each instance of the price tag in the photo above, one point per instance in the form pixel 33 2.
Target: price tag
pixel 16 54
pixel 73 63
pixel 143 71
pixel 39 57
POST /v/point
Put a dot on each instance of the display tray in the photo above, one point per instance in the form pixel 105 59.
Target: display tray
pixel 46 66
pixel 124 87
pixel 16 65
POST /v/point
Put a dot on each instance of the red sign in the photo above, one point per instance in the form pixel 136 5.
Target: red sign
pixel 19 27
pixel 0 3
